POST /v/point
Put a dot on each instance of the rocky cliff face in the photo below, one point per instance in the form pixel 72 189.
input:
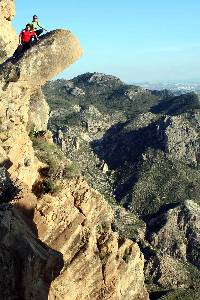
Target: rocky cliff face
pixel 98 263
pixel 175 235
pixel 8 37
pixel 66 232
pixel 181 140
pixel 19 81
pixel 27 266
pixel 38 112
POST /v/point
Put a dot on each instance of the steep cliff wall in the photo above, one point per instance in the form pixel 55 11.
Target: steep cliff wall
pixel 19 80
pixel 8 37
pixel 98 263
pixel 38 112
pixel 75 221
pixel 27 266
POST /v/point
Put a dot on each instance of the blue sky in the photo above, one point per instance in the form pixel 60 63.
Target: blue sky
pixel 136 40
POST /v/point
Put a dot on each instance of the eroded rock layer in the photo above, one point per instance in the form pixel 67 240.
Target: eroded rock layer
pixel 98 264
pixel 8 37
pixel 27 266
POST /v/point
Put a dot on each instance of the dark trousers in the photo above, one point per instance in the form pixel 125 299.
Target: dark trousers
pixel 21 49
pixel 39 31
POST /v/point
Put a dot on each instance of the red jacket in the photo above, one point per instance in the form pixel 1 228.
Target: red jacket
pixel 26 35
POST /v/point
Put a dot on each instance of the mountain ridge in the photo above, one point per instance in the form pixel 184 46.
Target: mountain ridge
pixel 143 147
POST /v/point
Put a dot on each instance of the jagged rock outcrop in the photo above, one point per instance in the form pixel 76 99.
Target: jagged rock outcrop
pixel 27 266
pixel 8 37
pixel 38 112
pixel 100 79
pixel 19 80
pixel 181 140
pixel 176 236
pixel 98 264
pixel 133 92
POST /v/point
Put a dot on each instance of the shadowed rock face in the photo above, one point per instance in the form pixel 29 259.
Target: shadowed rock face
pixel 27 266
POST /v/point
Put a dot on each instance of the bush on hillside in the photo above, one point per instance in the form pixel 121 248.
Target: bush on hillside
pixel 178 105
pixel 57 164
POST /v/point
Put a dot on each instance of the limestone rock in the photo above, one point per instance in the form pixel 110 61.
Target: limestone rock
pixel 181 140
pixel 132 93
pixel 98 264
pixel 8 37
pixel 176 236
pixel 180 233
pixel 19 80
pixel 77 92
pixel 100 78
pixel 105 168
pixel 51 55
pixel 38 112
pixel 168 273
pixel 76 108
pixel 27 265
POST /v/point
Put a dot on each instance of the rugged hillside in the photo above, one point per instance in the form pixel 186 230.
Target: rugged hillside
pixel 85 108
pixel 57 240
pixel 143 148
pixel 107 93
pixel 123 149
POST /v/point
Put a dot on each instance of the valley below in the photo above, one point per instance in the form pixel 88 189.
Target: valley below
pixel 140 149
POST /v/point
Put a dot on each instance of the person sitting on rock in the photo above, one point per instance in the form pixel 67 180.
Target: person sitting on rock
pixel 25 39
pixel 36 26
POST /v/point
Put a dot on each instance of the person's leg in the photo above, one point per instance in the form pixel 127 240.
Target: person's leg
pixel 26 46
pixel 18 51
pixel 39 31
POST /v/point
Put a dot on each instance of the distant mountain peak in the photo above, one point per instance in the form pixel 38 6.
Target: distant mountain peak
pixel 97 78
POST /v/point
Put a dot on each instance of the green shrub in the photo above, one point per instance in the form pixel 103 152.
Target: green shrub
pixel 127 255
pixel 71 170
pixel 32 133
pixel 99 228
pixel 57 164
pixel 102 228
pixel 49 186
pixel 190 294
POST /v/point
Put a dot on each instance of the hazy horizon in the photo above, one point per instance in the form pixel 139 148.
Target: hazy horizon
pixel 189 81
